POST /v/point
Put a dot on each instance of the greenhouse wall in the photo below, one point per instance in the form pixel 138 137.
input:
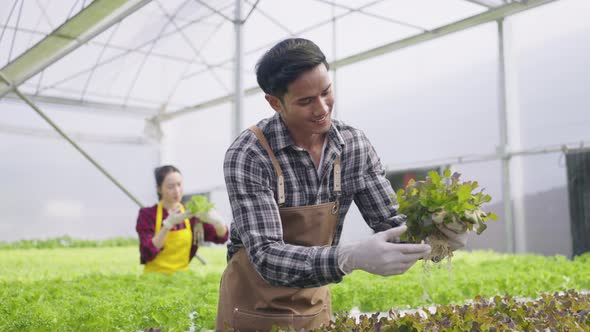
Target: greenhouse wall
pixel 49 189
pixel 422 105
pixel 416 107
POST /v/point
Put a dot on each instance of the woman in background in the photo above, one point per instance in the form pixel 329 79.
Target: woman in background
pixel 168 236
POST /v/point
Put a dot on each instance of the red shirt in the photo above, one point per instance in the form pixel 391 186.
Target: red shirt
pixel 146 227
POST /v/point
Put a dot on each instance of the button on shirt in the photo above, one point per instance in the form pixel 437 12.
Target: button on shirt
pixel 252 181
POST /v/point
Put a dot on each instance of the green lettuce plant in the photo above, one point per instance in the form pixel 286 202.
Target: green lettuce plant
pixel 442 201
pixel 198 204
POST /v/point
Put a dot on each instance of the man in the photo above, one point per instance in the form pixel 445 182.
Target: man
pixel 291 180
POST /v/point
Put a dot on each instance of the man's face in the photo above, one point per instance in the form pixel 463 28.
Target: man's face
pixel 306 108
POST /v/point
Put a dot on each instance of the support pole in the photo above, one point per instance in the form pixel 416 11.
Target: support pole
pixel 238 78
pixel 503 147
pixel 512 169
pixel 334 57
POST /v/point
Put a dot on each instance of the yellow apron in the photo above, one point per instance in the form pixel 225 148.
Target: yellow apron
pixel 174 256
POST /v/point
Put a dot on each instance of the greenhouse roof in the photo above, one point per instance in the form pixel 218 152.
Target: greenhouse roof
pixel 162 57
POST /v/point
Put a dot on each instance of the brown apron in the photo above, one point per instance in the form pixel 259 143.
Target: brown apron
pixel 249 303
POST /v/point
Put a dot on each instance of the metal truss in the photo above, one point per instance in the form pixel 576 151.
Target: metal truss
pixel 126 52
pixel 146 50
pixel 100 15
pixel 485 17
pixel 82 27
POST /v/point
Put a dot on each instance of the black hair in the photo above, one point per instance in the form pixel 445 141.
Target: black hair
pixel 160 174
pixel 285 62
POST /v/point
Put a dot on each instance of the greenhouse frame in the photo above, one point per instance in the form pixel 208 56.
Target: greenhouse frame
pixel 96 94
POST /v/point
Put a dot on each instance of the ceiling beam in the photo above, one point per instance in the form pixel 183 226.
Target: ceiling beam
pixel 88 23
pixel 75 135
pixel 485 17
pixel 470 22
pixel 486 3
pixel 90 106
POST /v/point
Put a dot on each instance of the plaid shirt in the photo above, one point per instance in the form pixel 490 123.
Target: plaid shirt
pixel 251 183
pixel 146 228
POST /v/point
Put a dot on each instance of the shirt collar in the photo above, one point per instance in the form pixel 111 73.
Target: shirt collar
pixel 278 136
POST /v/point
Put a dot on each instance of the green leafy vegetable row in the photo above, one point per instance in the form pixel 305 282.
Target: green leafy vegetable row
pixel 68 242
pixel 568 311
pixel 102 289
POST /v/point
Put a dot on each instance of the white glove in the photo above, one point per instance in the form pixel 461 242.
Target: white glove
pixel 456 239
pixel 380 255
pixel 175 217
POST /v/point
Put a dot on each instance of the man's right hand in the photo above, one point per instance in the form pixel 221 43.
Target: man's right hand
pixel 380 255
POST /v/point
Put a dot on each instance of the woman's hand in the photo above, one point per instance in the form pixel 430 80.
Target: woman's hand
pixel 214 218
pixel 175 217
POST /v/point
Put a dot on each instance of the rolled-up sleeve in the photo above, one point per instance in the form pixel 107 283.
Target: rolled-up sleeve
pixel 256 219
pixel 145 227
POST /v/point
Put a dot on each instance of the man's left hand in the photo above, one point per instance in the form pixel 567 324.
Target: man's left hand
pixel 456 240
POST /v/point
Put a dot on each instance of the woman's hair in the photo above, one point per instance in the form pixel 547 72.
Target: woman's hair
pixel 285 62
pixel 160 174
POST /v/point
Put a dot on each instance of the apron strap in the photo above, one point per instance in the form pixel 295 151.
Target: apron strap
pixel 159 220
pixel 337 185
pixel 337 180
pixel 281 179
pixel 275 163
